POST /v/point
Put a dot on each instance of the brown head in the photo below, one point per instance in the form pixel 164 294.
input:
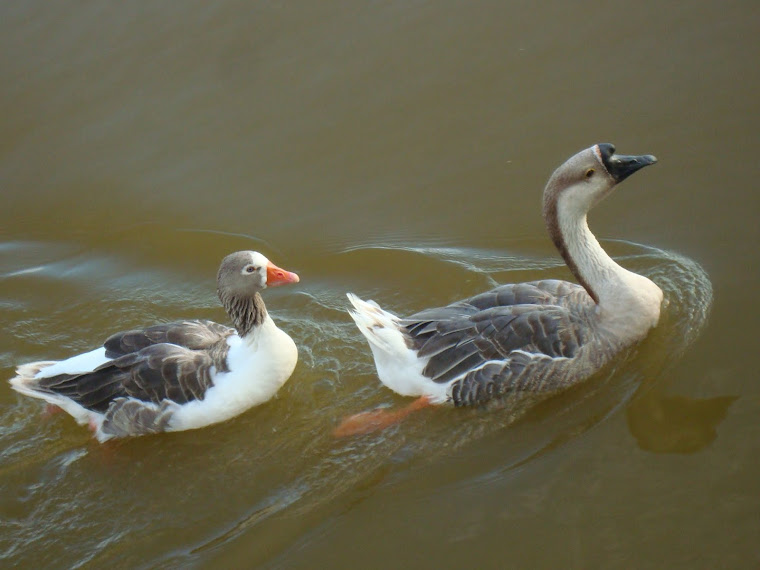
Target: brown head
pixel 241 277
pixel 588 177
pixel 580 184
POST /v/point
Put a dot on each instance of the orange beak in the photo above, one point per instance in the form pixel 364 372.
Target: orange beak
pixel 277 276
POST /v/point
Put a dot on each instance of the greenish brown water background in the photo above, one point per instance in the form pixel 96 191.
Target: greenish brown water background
pixel 397 150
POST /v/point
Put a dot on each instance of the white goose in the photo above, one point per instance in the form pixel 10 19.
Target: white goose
pixel 181 375
pixel 541 336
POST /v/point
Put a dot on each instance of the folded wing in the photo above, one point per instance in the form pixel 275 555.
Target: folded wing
pixel 153 374
pixel 485 345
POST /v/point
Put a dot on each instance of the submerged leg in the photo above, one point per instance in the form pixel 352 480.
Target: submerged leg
pixel 50 411
pixel 376 420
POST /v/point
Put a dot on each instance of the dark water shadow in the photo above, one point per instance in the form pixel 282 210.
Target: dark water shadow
pixel 670 423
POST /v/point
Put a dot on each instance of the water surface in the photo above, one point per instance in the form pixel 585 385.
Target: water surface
pixel 397 150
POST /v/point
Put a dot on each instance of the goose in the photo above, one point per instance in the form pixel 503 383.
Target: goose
pixel 181 375
pixel 541 336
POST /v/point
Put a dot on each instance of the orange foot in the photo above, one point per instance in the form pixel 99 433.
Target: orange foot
pixel 50 411
pixel 378 419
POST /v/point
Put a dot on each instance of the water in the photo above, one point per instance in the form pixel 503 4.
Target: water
pixel 396 150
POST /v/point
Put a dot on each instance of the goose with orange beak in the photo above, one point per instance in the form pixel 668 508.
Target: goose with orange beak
pixel 177 376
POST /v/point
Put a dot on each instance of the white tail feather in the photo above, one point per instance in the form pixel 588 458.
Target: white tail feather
pixel 26 372
pixel 398 366
pixel 379 326
pixel 25 381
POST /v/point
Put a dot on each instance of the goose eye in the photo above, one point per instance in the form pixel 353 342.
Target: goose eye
pixel 251 269
pixel 589 173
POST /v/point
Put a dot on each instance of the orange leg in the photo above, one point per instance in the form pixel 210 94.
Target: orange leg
pixel 50 411
pixel 376 420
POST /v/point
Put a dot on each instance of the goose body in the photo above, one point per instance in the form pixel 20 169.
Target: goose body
pixel 541 336
pixel 177 376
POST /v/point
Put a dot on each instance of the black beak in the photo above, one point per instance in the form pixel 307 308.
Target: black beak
pixel 621 166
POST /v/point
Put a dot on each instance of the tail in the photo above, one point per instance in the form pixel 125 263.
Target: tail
pixel 26 381
pixel 398 365
pixel 380 327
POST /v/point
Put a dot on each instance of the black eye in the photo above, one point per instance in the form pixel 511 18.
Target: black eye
pixel 251 269
pixel 589 173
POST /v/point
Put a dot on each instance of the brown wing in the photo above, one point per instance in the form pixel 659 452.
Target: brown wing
pixel 546 292
pixel 195 335
pixel 157 372
pixel 486 342
pixel 457 343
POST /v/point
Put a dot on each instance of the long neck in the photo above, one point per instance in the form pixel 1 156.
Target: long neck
pixel 629 304
pixel 593 268
pixel 246 313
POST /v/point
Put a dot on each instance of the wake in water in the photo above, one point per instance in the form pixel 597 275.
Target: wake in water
pixel 282 461
pixel 335 466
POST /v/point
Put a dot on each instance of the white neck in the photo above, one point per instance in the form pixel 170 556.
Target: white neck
pixel 265 359
pixel 628 303
pixel 259 331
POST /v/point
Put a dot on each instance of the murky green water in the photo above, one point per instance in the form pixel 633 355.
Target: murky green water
pixel 397 150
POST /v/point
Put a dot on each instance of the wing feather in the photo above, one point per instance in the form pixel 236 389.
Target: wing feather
pixel 170 372
pixel 489 340
pixel 154 373
pixel 195 335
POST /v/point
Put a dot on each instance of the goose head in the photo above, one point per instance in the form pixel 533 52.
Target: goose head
pixel 576 187
pixel 241 277
pixel 244 273
pixel 588 177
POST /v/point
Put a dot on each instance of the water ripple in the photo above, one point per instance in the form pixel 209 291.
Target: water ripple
pixel 278 460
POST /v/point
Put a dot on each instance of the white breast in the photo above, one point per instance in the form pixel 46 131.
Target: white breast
pixel 258 367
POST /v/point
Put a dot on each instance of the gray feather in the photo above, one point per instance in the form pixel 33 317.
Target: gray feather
pixel 514 337
pixel 126 416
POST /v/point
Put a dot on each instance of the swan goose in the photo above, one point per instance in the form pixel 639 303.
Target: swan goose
pixel 540 336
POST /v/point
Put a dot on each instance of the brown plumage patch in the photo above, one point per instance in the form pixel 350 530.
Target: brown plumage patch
pixel 493 338
pixel 166 362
